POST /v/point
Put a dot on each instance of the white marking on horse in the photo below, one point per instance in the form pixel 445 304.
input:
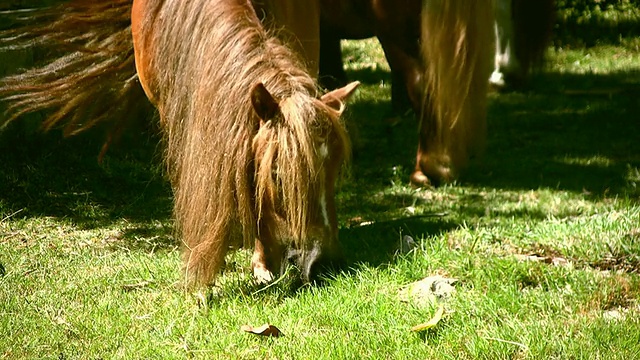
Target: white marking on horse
pixel 324 154
pixel 505 60
pixel 324 151
pixel 323 207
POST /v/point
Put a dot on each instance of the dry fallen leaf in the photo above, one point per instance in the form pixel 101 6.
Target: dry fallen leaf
pixel 431 323
pixel 264 330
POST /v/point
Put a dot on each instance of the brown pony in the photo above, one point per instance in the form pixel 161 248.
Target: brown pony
pixel 252 150
pixel 439 53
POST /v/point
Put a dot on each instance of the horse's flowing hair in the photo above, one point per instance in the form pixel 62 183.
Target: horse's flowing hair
pixel 92 81
pixel 208 55
pixel 457 38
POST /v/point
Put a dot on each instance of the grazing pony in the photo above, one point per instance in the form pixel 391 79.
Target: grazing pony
pixel 252 149
pixel 439 53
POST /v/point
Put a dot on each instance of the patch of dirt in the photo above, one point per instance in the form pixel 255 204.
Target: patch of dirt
pixel 615 262
pixel 628 263
pixel 616 293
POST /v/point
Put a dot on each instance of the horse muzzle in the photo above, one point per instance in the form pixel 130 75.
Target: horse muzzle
pixel 316 261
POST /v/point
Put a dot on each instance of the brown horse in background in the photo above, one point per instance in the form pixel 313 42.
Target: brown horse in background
pixel 252 149
pixel 441 58
pixel 441 51
pixel 297 23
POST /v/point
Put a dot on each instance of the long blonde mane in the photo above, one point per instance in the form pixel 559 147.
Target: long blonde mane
pixel 457 38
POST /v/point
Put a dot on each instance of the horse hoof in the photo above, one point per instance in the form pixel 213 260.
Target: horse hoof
pixel 261 275
pixel 496 81
pixel 432 175
pixel 506 82
pixel 419 180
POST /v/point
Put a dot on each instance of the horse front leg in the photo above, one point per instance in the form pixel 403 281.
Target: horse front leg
pixel 406 68
pixel 267 254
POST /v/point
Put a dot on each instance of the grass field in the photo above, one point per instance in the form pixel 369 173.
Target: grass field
pixel 542 234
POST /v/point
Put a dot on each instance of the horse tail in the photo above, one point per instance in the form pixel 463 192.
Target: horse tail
pixel 533 23
pixel 92 74
pixel 456 45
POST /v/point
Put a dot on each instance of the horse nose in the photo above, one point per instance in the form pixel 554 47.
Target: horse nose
pixel 317 261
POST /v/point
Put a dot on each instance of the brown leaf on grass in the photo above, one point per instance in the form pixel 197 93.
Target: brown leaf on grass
pixel 264 330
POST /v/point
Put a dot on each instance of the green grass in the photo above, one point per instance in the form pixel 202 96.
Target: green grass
pixel 542 233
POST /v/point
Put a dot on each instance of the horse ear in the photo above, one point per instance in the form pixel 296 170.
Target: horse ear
pixel 264 104
pixel 336 98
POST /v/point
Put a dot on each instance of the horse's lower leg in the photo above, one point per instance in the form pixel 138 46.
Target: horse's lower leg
pixel 267 257
pixel 261 271
pixel 400 102
pixel 332 74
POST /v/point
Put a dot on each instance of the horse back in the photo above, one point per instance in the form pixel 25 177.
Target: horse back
pixel 360 19
pixel 347 19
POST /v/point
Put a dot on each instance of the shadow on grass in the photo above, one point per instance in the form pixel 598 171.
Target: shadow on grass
pixel 46 175
pixel 578 133
pixel 567 132
pixel 375 245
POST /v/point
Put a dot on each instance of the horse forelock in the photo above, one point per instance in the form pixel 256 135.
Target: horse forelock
pixel 292 164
